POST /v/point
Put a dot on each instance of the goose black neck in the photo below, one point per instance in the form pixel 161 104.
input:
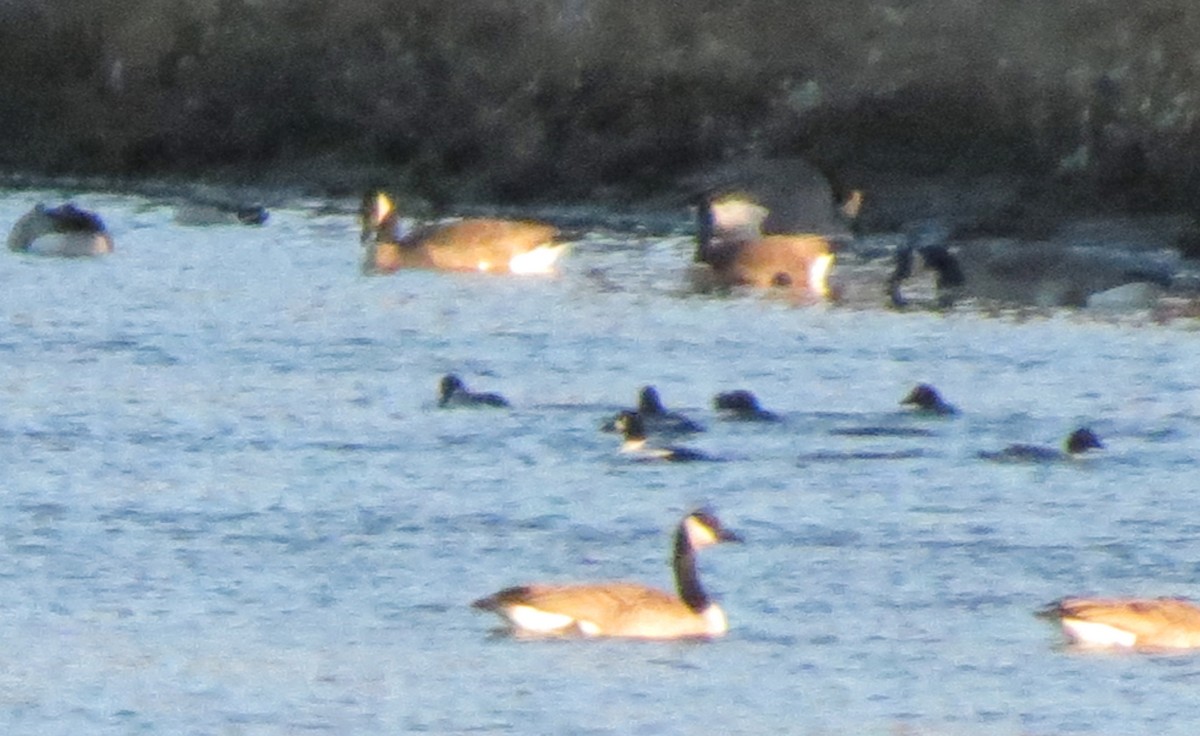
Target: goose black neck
pixel 687 579
pixel 903 269
pixel 704 230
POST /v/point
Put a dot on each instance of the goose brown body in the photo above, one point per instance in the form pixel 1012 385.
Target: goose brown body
pixel 475 244
pixel 616 609
pixel 622 609
pixel 797 261
pixel 1144 623
pixel 739 255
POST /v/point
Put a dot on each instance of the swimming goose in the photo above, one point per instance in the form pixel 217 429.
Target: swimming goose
pixel 621 609
pixel 65 230
pixel 636 444
pixel 742 405
pixel 927 400
pixel 204 213
pixel 1043 274
pixel 453 393
pixel 1142 623
pixel 476 244
pixel 794 195
pixel 655 417
pixel 730 243
pixel 1077 443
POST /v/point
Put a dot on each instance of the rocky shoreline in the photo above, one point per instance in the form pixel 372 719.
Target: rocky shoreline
pixel 1000 118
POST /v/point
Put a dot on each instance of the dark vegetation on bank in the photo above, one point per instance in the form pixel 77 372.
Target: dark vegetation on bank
pixel 561 100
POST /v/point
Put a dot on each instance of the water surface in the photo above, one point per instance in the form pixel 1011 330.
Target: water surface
pixel 230 505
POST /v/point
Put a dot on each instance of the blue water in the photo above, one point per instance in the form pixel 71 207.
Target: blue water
pixel 230 506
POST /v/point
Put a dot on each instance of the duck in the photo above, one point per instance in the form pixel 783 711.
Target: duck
pixel 655 417
pixel 636 443
pixel 484 245
pixel 729 242
pixel 1127 623
pixel 1076 444
pixel 453 393
pixel 925 399
pixel 66 230
pixel 742 405
pixel 1034 273
pixel 623 609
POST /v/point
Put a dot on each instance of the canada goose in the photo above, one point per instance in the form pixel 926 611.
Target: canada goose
pixel 636 443
pixel 620 609
pixel 655 417
pixel 1044 274
pixel 1077 443
pixel 453 393
pixel 742 405
pixel 65 230
pixel 729 242
pixel 476 244
pixel 199 214
pixel 1143 623
pixel 927 400
pixel 795 195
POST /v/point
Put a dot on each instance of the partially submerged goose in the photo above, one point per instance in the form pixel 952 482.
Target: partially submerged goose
pixel 65 230
pixel 1077 443
pixel 637 444
pixel 204 213
pixel 453 393
pixel 925 399
pixel 621 609
pixel 1127 623
pixel 730 242
pixel 1043 274
pixel 475 244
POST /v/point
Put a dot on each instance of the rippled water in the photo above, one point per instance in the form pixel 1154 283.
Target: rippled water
pixel 230 506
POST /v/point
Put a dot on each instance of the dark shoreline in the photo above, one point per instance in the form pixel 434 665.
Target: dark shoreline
pixel 1072 107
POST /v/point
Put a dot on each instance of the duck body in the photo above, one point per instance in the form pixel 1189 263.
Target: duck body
pixel 1042 274
pixel 742 406
pixel 453 393
pixel 925 399
pixel 484 245
pixel 637 446
pixel 1127 623
pixel 655 417
pixel 1077 443
pixel 622 609
pixel 66 231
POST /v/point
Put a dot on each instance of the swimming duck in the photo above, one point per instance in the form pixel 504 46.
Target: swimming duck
pixel 1077 443
pixel 65 230
pixel 655 417
pixel 1043 274
pixel 629 423
pixel 1127 623
pixel 476 244
pixel 742 405
pixel 730 243
pixel 453 393
pixel 927 400
pixel 622 609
